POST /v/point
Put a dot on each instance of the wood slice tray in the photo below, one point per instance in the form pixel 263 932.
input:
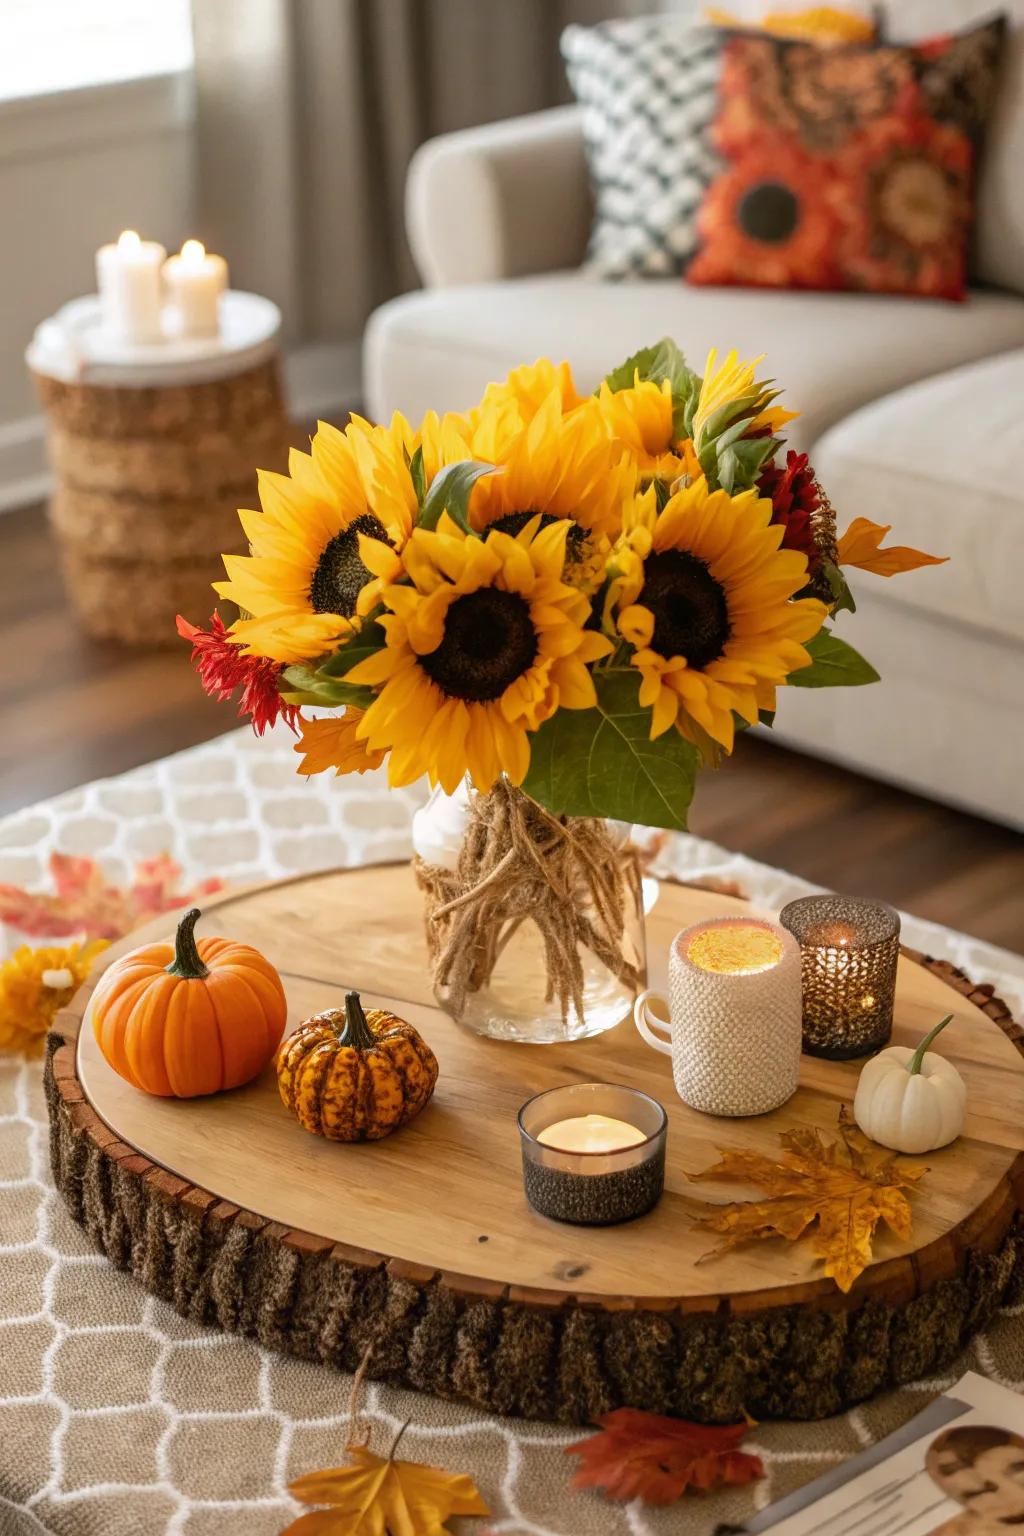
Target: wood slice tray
pixel 423 1245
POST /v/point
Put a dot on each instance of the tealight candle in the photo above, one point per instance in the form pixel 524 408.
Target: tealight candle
pixel 128 279
pixel 849 948
pixel 195 280
pixel 593 1153
pixel 591 1133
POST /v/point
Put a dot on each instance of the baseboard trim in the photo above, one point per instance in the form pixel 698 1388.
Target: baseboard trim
pixel 321 380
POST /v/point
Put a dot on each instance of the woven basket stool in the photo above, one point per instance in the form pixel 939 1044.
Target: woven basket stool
pixel 148 481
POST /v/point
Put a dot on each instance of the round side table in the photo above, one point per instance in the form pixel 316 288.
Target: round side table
pixel 154 448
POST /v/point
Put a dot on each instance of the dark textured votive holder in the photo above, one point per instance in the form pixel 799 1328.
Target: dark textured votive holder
pixel 594 1189
pixel 848 951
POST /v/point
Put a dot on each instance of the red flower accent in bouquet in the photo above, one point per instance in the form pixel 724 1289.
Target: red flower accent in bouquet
pixel 222 668
pixel 794 495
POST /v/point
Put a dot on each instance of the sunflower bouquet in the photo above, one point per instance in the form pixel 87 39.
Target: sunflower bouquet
pixel 585 596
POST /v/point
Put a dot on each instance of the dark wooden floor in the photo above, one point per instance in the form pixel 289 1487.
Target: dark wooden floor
pixel 72 710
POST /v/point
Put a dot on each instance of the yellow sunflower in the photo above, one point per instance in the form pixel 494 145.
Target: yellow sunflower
pixel 732 382
pixel 641 418
pixel 704 594
pixel 529 387
pixel 482 647
pixel 560 466
pixel 305 583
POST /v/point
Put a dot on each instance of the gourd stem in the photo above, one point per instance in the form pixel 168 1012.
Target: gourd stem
pixel 357 1033
pixel 187 960
pixel 918 1056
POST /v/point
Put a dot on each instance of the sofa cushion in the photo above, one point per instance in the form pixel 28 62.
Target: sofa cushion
pixel 999 230
pixel 646 86
pixel 831 353
pixel 941 462
pixel 849 169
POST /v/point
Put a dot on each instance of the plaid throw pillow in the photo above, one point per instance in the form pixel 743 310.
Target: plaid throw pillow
pixel 647 88
pixel 847 168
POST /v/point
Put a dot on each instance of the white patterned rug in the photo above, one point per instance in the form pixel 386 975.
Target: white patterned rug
pixel 118 1418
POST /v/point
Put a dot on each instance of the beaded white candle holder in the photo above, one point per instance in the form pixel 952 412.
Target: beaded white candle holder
pixel 733 1016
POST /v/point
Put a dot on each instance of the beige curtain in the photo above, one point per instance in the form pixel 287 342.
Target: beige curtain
pixel 308 113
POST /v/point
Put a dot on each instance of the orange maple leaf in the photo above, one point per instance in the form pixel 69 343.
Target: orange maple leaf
pixel 860 545
pixel 331 742
pixel 374 1494
pixel 84 902
pixel 837 1190
pixel 646 1456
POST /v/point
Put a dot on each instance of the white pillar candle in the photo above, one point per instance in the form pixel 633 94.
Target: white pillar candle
pixel 128 278
pixel 195 281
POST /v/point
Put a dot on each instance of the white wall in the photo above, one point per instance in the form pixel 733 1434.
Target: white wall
pixel 75 169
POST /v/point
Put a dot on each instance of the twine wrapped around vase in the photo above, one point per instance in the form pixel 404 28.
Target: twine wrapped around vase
pixel 519 863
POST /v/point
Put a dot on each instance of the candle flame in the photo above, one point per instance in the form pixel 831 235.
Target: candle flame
pixel 128 240
pixel 193 252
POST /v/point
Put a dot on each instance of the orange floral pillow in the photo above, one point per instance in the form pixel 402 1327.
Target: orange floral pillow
pixel 846 168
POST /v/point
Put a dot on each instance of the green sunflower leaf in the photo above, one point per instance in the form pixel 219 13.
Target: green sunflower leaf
pixel 449 492
pixel 307 685
pixel 842 597
pixel 834 664
pixel 662 361
pixel 370 640
pixel 418 475
pixel 601 761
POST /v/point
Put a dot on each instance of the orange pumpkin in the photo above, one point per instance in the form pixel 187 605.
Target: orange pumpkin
pixel 189 1018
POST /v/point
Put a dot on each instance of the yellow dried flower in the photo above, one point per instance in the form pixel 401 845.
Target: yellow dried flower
pixel 34 984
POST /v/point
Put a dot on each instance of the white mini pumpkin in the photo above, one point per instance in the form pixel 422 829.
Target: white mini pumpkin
pixel 911 1101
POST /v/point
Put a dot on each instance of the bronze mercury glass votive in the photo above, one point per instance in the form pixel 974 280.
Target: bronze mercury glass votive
pixel 621 1177
pixel 849 948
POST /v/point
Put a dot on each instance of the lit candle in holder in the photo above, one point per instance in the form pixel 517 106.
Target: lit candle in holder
pixel 849 949
pixel 129 283
pixel 733 1016
pixel 593 1153
pixel 195 280
pixel 591 1133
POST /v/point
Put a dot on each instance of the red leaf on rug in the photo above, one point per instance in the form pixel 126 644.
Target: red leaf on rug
pixel 645 1456
pixel 84 902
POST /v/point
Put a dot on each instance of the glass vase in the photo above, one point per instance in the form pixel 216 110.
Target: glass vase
pixel 535 923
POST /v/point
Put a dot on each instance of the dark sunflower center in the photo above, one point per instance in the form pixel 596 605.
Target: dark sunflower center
pixel 691 617
pixel 489 641
pixel 340 575
pixel 513 523
pixel 769 212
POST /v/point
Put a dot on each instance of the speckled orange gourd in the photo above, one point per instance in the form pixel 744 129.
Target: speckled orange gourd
pixel 352 1075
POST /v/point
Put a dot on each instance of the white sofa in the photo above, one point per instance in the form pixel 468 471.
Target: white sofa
pixel 913 412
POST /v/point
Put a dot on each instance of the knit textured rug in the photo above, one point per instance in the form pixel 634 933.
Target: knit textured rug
pixel 119 1418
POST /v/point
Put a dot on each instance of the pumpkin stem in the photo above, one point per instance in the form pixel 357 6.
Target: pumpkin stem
pixel 188 962
pixel 918 1056
pixel 357 1032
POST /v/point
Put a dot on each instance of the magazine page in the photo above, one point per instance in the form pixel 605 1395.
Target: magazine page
pixel 957 1469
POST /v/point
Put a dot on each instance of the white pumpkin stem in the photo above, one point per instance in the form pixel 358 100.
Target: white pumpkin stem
pixel 918 1056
